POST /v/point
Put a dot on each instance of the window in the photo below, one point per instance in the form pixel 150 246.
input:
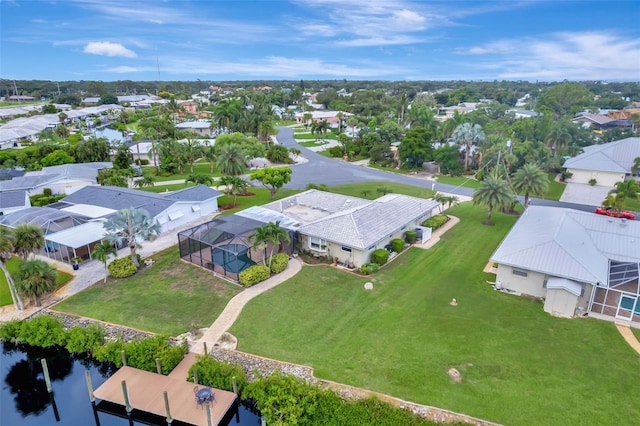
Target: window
pixel 317 244
pixel 347 249
pixel 519 272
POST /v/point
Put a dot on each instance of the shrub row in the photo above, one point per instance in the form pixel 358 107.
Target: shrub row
pixel 279 262
pixel 288 400
pixel 47 331
pixel 411 236
pixel 435 222
pixel 253 275
pixel 397 244
pixel 379 256
pixel 369 268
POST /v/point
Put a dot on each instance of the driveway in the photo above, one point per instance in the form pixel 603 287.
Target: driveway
pixel 582 193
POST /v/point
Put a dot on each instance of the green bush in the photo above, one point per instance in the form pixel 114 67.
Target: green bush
pixel 253 275
pixel 10 331
pixel 216 374
pixel 142 162
pixel 336 152
pixel 110 352
pixel 380 256
pixel 369 268
pixel 436 221
pixel 410 236
pixel 85 339
pixel 47 192
pixel 397 244
pixel 142 353
pixel 44 331
pixel 122 267
pixel 279 262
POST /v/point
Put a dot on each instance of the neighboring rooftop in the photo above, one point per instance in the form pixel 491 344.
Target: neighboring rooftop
pixel 614 156
pixel 194 193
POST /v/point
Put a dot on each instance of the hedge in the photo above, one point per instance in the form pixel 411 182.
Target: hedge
pixel 122 267
pixel 279 262
pixel 436 221
pixel 253 275
pixel 397 244
pixel 379 256
pixel 369 268
pixel 411 236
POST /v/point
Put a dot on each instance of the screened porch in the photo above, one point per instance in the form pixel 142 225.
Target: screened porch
pixel 620 299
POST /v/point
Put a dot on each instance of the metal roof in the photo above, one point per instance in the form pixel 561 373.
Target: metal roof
pixel 78 236
pixel 13 199
pixel 361 227
pixel 116 198
pixel 265 216
pixel 194 193
pixel 615 156
pixel 569 243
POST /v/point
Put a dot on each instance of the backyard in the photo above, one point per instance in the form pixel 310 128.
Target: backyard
pixel 519 365
pixel 13 266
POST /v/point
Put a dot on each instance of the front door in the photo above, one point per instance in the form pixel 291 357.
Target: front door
pixel 628 304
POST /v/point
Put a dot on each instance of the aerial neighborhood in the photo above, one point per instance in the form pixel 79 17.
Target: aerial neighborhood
pixel 420 242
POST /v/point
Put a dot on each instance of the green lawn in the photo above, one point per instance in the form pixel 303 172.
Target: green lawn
pixel 171 297
pixel 636 332
pixel 165 188
pixel 519 365
pixel 313 143
pixel 553 193
pixel 371 190
pixel 261 196
pixel 199 168
pixel 13 265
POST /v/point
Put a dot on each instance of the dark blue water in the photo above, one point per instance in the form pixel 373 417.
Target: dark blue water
pixel 24 399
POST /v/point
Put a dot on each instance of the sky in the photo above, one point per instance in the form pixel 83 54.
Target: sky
pixel 109 40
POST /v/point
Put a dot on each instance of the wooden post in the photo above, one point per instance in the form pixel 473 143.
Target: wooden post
pixel 124 358
pixel 235 385
pixel 158 366
pixel 195 375
pixel 206 352
pixel 45 370
pixel 166 406
pixel 87 376
pixel 209 421
pixel 127 404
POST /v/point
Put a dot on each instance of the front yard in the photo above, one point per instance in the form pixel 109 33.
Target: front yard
pixel 519 365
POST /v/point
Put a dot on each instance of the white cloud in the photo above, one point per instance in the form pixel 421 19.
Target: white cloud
pixel 108 49
pixel 574 56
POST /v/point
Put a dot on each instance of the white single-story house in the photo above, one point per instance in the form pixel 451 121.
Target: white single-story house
pixel 63 179
pixel 199 127
pixel 347 228
pixel 607 163
pixel 74 225
pixel 578 262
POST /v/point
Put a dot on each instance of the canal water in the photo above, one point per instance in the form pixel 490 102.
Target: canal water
pixel 24 399
pixel 110 134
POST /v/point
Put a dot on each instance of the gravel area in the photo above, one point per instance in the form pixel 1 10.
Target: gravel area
pixel 113 331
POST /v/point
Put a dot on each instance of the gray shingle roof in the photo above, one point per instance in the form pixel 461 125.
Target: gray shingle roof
pixel 615 156
pixel 12 199
pixel 116 198
pixel 27 182
pixel 320 203
pixel 363 226
pixel 569 243
pixel 195 193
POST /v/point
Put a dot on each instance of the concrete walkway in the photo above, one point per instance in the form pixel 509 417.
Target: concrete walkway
pixel 628 335
pixel 231 312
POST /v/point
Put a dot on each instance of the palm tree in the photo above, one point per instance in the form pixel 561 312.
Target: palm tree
pixel 440 198
pixel 265 131
pixel 130 226
pixel 146 181
pixel 558 137
pixel 230 160
pixel 28 239
pixel 211 156
pixel 530 180
pixel 234 185
pixel 626 189
pixel 37 277
pixel 636 165
pixel 102 251
pixel 7 241
pixel 199 179
pixel 468 135
pixel 270 234
pixel 494 192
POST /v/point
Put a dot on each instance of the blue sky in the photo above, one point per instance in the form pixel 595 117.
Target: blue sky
pixel 320 39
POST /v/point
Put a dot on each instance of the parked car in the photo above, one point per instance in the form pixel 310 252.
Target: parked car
pixel 615 213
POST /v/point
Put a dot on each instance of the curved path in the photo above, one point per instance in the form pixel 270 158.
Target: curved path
pixel 231 312
pixel 628 336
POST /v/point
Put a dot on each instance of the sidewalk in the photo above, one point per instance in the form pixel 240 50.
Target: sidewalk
pixel 231 312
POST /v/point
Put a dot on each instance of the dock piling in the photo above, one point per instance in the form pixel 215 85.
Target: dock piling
pixel 45 370
pixel 127 404
pixel 158 366
pixel 166 405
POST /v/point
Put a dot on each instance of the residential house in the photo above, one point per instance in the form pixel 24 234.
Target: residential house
pixel 577 262
pixel 606 163
pixel 63 179
pixel 13 201
pixel 199 127
pixel 350 228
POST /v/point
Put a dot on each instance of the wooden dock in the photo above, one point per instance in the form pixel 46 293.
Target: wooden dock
pixel 145 391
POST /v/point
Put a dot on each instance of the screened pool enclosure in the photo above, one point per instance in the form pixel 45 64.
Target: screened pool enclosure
pixel 223 245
